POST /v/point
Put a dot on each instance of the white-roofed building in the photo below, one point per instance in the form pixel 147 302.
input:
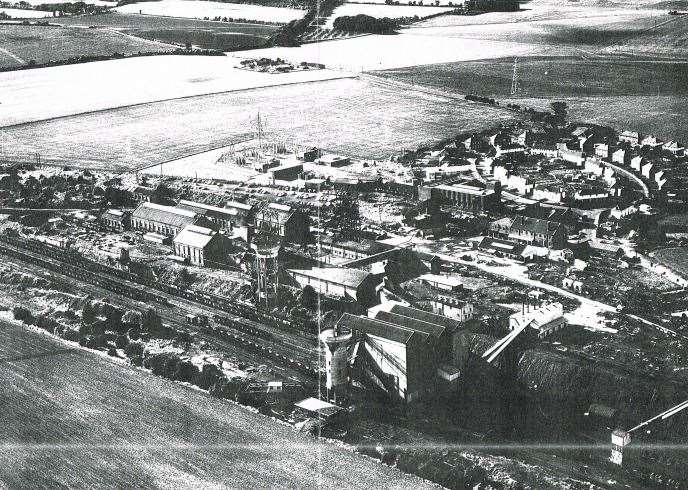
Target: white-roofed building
pixel 165 220
pixel 201 245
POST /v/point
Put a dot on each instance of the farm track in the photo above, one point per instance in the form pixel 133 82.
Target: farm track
pixel 284 344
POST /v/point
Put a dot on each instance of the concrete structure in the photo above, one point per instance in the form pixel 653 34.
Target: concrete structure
pixel 200 245
pixel 340 283
pixel 165 220
pixel 116 219
pixel 620 439
pixel 332 160
pixel 226 218
pixel 336 343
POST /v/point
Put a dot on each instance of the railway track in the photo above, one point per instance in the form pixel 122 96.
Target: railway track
pixel 281 349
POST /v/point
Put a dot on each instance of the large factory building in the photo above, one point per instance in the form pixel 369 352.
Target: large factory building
pixel 401 350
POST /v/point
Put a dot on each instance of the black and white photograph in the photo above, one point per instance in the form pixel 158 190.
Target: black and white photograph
pixel 344 244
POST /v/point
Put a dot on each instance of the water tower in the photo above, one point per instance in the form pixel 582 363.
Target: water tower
pixel 266 245
pixel 336 343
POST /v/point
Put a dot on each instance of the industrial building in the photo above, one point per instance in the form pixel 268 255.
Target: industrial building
pixel 470 195
pixel 200 245
pixel 340 283
pixel 164 220
pixel 292 225
pixel 402 350
pixel 226 218
pixel 545 319
pixel 287 171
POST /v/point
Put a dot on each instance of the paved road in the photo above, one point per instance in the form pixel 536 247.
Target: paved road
pixel 80 420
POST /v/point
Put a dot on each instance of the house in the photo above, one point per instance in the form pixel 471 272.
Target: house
pixel 447 283
pixel 201 246
pixel 572 156
pixel 339 282
pixel 142 194
pixel 632 137
pixel 292 225
pixel 601 150
pixel 226 218
pixel 164 220
pixel 647 170
pixel 549 193
pixel 581 131
pixel 550 151
pixel 573 284
pixel 506 248
pixel 619 156
pixel 116 219
pixel 674 148
pixel 332 160
pixel 636 163
pixel 530 231
pixel 650 141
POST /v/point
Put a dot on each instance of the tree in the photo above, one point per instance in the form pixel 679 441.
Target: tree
pixel 560 110
pixel 88 314
pixel 309 298
pixel 151 322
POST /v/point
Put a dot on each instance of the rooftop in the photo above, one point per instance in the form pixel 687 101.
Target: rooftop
pixel 379 328
pixel 426 316
pixel 431 329
pixel 194 236
pixel 168 215
pixel 503 246
pixel 352 278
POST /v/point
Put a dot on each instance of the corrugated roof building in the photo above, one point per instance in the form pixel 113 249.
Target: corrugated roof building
pixel 165 220
pixel 201 246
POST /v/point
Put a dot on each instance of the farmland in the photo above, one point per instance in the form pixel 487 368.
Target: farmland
pixel 25 14
pixel 30 95
pixel 74 419
pixel 52 43
pixel 351 116
pixel 195 9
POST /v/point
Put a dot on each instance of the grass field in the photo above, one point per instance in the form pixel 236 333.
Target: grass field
pixel 52 43
pixel 25 14
pixel 72 419
pixel 195 9
pixel 348 116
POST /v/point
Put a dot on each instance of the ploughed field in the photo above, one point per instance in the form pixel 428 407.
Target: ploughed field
pixel 21 44
pixel 222 36
pixel 72 418
pixel 349 116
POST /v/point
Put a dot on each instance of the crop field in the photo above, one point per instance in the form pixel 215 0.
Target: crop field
pixel 675 258
pixel 349 116
pixel 196 9
pixel 553 77
pixel 223 36
pixel 52 43
pixel 30 95
pixel 25 14
pixel 74 419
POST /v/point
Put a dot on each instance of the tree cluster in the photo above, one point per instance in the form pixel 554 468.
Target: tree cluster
pixel 366 24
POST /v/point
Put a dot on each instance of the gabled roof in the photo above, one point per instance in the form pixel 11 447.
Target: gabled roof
pixel 503 246
pixel 380 329
pixel 431 329
pixel 231 210
pixel 167 215
pixel 534 225
pixel 426 316
pixel 351 278
pixel 195 236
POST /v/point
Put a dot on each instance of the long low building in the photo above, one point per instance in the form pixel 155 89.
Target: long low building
pixel 201 246
pixel 469 195
pixel 339 282
pixel 233 214
pixel 164 220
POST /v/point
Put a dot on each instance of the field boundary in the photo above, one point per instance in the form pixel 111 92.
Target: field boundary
pixel 169 99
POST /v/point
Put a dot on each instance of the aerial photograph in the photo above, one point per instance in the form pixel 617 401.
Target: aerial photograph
pixel 338 244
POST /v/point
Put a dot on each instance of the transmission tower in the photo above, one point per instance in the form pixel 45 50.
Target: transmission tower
pixel 514 78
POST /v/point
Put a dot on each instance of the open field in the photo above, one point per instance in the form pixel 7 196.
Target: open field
pixel 25 14
pixel 195 9
pixel 553 77
pixel 675 258
pixel 74 419
pixel 53 43
pixel 349 116
pixel 222 36
pixel 30 95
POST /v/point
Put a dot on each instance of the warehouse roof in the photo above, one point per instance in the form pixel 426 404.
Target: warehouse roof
pixel 534 225
pixel 337 275
pixel 426 316
pixel 366 246
pixel 431 329
pixel 194 236
pixel 167 215
pixel 378 328
pixel 230 210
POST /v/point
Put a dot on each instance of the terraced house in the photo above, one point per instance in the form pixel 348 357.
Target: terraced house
pixel 530 231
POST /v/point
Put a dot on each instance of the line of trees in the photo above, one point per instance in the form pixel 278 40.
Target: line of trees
pixel 366 24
